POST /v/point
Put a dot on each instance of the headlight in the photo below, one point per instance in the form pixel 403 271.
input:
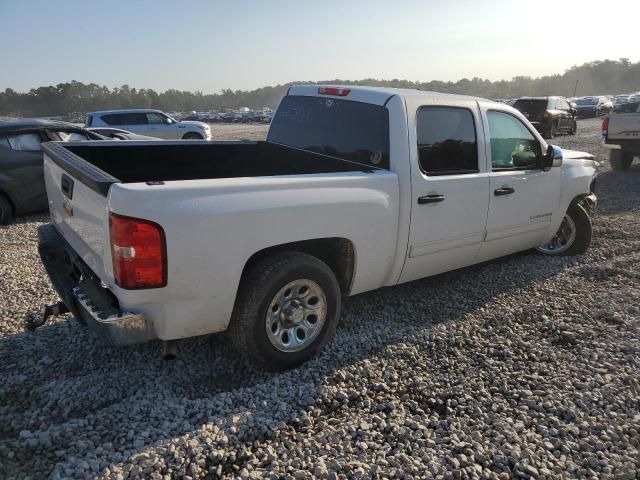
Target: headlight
pixel 204 127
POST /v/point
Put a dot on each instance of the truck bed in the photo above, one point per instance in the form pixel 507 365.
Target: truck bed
pixel 100 164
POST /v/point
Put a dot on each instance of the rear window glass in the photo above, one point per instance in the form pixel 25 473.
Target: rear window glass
pixel 446 141
pixel 340 128
pixel 530 106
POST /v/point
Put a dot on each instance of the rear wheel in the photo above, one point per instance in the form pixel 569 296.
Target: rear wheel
pixel 192 136
pixel 6 211
pixel 286 311
pixel 620 160
pixel 574 235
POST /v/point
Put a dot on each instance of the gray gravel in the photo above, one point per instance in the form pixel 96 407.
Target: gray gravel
pixel 526 367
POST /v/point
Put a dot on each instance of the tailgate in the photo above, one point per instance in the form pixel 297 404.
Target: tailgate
pixel 78 202
pixel 624 126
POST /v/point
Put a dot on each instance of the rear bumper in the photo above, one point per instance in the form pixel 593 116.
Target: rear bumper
pixel 82 292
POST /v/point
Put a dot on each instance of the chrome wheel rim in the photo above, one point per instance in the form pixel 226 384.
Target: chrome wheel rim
pixel 296 315
pixel 562 240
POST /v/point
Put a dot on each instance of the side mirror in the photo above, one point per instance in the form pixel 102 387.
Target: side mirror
pixel 553 158
pixel 167 121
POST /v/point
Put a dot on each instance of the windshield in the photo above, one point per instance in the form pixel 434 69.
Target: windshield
pixel 586 101
pixel 340 128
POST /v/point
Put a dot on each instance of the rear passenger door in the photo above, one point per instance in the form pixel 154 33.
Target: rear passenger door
pixel 450 189
pixel 134 122
pixel 524 198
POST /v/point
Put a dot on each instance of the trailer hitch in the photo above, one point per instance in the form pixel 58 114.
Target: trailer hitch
pixel 50 310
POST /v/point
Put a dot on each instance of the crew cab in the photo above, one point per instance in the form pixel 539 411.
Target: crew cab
pixel 355 188
pixel 621 133
pixel 152 123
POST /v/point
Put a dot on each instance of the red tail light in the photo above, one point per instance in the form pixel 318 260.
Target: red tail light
pixel 138 251
pixel 335 91
pixel 605 125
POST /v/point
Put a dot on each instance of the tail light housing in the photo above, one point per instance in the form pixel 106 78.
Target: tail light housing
pixel 605 125
pixel 138 252
pixel 335 91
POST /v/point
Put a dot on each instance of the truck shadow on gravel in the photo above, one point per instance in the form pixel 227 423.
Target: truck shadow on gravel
pixel 619 191
pixel 61 380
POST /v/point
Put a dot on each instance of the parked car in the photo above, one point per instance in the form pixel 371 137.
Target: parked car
pixel 264 238
pixel 119 134
pixel 153 123
pixel 621 134
pixel 620 99
pixel 550 115
pixel 587 107
pixel 22 188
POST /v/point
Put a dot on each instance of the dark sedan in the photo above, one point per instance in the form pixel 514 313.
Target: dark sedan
pixel 589 107
pixel 22 187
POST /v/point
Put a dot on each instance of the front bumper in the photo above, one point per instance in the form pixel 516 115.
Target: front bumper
pixel 83 294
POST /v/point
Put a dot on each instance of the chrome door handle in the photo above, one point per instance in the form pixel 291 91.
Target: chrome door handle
pixel 430 199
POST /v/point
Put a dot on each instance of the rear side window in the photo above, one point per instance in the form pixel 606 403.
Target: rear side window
pixel 28 142
pixel 125 119
pixel 349 130
pixel 447 142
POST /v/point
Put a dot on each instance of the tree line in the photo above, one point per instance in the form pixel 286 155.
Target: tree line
pixel 73 98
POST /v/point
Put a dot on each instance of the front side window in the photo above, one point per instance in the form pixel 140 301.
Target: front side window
pixel 28 142
pixel 513 146
pixel 155 118
pixel 447 142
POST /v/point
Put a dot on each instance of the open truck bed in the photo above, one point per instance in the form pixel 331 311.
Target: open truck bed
pixel 98 165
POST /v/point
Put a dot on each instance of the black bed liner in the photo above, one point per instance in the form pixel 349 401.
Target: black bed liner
pixel 100 164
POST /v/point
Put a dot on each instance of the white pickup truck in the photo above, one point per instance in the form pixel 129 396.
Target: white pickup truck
pixel 621 134
pixel 355 188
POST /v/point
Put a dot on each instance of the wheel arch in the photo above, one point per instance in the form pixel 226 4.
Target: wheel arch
pixel 192 135
pixel 338 253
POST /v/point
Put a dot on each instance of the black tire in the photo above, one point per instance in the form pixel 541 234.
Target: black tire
pixel 6 211
pixel 620 160
pixel 258 288
pixel 192 136
pixel 583 228
pixel 574 128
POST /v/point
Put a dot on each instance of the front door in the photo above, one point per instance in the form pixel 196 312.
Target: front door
pixel 450 190
pixel 524 198
pixel 160 127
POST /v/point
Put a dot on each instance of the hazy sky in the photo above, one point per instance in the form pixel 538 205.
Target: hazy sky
pixel 208 45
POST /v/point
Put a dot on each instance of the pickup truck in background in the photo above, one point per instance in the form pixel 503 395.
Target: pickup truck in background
pixel 621 134
pixel 355 188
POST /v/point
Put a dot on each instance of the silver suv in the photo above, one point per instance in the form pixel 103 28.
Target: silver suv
pixel 153 123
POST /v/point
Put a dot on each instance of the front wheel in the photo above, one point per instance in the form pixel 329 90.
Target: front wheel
pixel 574 235
pixel 286 311
pixel 192 136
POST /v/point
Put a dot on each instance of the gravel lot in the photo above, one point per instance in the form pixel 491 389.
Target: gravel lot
pixel 522 368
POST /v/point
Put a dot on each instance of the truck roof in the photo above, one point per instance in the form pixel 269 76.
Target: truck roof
pixel 376 95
